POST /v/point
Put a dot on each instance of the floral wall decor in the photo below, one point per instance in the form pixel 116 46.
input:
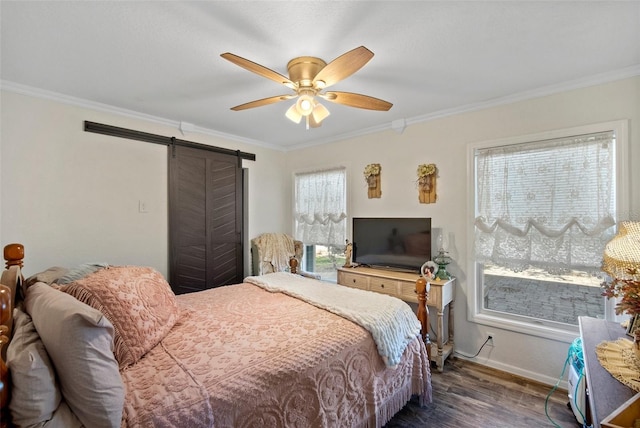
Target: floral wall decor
pixel 427 174
pixel 372 177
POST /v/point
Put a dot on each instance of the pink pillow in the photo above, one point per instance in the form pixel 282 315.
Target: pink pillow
pixel 137 300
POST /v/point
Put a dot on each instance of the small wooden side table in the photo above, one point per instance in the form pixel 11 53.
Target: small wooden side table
pixel 604 392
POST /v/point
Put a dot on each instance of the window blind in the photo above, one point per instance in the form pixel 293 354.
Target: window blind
pixel 548 204
pixel 320 207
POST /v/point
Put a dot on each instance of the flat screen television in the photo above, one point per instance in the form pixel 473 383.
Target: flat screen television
pixel 392 243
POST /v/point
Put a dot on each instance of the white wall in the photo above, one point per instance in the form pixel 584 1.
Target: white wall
pixel 444 142
pixel 71 196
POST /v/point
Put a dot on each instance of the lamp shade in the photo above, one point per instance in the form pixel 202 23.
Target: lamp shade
pixel 307 107
pixel 293 115
pixel 320 113
pixel 623 251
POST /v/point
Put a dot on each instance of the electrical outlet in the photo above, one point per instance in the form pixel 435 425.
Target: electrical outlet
pixel 490 337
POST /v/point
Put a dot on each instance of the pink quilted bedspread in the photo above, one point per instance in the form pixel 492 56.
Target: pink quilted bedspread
pixel 243 357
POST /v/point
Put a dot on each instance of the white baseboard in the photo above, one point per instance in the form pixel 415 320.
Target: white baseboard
pixel 538 377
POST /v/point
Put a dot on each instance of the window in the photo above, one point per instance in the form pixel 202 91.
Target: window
pixel 543 209
pixel 321 219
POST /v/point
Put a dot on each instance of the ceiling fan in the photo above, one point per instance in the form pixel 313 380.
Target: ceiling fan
pixel 308 78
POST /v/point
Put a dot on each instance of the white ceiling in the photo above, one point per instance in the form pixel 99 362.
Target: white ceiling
pixel 432 58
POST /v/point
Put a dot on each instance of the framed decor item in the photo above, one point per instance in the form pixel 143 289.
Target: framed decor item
pixel 427 174
pixel 372 177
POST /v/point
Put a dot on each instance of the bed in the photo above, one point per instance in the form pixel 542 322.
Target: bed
pixel 106 346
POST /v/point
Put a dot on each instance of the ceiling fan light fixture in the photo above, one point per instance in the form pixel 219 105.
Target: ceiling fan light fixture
pixel 293 115
pixel 320 113
pixel 308 78
pixel 305 105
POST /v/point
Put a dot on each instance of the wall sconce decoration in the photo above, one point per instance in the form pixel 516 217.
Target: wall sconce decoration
pixel 372 177
pixel 427 174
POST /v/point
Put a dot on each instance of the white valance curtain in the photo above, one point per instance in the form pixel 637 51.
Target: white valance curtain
pixel 321 207
pixel 548 204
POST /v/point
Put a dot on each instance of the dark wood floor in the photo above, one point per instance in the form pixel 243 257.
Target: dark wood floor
pixel 471 395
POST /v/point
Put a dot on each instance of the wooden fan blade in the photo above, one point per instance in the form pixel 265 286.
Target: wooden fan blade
pixel 262 102
pixel 357 100
pixel 258 69
pixel 343 66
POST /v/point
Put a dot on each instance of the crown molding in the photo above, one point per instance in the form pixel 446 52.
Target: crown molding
pixel 594 80
pixel 18 88
pixel 585 82
pixel 341 137
pixel 597 79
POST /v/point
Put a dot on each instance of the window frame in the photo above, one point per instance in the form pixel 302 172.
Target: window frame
pixel 476 312
pixel 309 258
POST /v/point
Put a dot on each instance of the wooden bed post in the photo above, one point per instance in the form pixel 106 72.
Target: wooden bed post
pixel 13 254
pixel 293 264
pixel 423 312
pixel 5 318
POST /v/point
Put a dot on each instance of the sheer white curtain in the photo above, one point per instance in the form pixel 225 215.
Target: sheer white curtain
pixel 320 207
pixel 548 204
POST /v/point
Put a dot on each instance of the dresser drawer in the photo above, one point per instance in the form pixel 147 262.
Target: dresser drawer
pixel 354 281
pixel 408 292
pixel 382 285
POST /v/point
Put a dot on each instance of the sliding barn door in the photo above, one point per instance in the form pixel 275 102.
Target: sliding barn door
pixel 205 219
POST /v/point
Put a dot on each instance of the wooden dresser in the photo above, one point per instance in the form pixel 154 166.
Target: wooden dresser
pixel 605 393
pixel 403 285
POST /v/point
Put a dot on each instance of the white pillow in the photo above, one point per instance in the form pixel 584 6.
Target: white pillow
pixel 63 418
pixel 34 393
pixel 79 341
